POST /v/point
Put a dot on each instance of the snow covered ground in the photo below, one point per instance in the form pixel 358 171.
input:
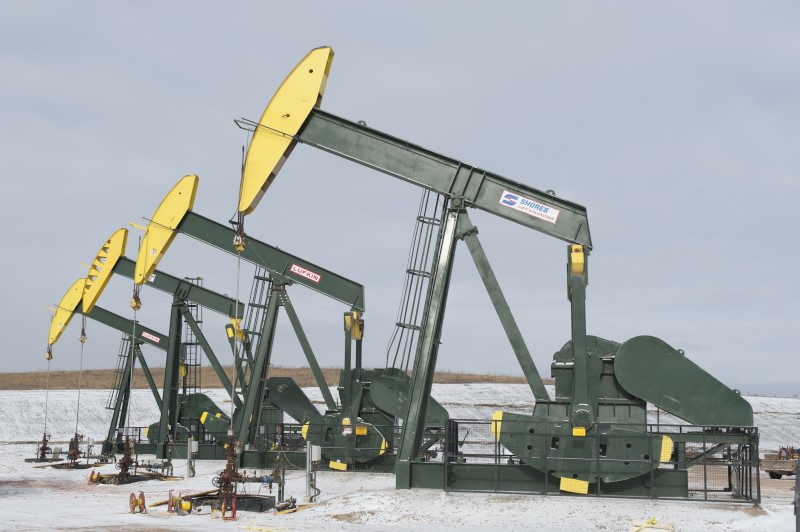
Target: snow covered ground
pixel 47 499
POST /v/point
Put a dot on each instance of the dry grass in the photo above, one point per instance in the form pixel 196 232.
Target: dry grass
pixel 104 378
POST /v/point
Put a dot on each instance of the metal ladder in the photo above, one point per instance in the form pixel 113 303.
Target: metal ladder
pixel 191 351
pixel 119 373
pixel 256 314
pixel 254 318
pixel 419 271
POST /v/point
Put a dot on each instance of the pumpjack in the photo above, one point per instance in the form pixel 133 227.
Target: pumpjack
pixel 180 410
pixel 357 431
pixel 594 432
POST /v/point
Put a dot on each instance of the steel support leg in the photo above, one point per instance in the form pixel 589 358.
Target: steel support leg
pixel 425 360
pixel 312 360
pixel 204 345
pixel 469 233
pixel 582 413
pixel 149 376
pixel 169 408
pixel 121 402
pixel 260 369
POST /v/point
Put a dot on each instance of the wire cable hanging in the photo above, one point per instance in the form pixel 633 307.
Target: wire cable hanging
pixel 82 339
pixel 136 304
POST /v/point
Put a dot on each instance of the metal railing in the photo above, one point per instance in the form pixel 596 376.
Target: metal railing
pixel 700 463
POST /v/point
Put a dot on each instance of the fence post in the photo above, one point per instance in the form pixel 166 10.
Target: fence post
pixel 796 499
pixel 650 455
pixel 546 447
pixel 705 468
pixel 597 458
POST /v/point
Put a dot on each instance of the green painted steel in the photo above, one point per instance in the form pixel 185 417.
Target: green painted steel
pixel 149 377
pixel 120 410
pixel 124 325
pixel 184 289
pixel 246 421
pixel 218 424
pixel 342 442
pixel 212 358
pixel 618 426
pixel 653 370
pixel 193 408
pixel 389 390
pixel 546 444
pixel 310 358
pixel 450 177
pixel 598 417
pixel 121 403
pixel 346 390
pixel 523 478
pixel 168 424
pixel 275 260
pixel 470 237
pixel 582 413
pixel 427 351
pixel 287 396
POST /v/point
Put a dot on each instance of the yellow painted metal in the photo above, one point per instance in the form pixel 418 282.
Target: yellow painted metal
pixel 497 422
pixel 346 422
pixel 577 258
pixel 384 446
pixel 338 466
pixel 304 430
pixel 579 431
pixel 236 328
pixel 161 230
pixel 361 430
pixel 203 418
pixel 354 324
pixel 65 309
pixel 286 112
pixel 102 268
pixel 666 449
pixel 573 485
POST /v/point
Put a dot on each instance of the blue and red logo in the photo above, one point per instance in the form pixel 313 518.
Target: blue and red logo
pixel 529 206
pixel 509 199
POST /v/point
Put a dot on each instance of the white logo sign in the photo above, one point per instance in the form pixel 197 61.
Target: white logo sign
pixel 152 337
pixel 529 207
pixel 302 272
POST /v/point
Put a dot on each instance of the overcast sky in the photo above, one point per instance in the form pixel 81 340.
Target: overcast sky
pixel 676 125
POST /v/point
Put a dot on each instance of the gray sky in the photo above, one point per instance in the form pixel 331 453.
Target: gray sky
pixel 677 126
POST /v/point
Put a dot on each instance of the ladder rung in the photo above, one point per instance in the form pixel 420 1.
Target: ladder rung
pixel 429 220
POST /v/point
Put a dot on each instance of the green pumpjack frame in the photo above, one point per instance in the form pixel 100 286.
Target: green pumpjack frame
pixel 260 408
pixel 284 270
pixel 464 186
pixel 143 335
pixel 263 405
pixel 575 366
pixel 183 292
